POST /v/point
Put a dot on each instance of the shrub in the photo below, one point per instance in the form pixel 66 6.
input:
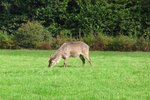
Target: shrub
pixel 104 42
pixel 142 44
pixel 6 41
pixel 123 43
pixel 31 34
pixel 58 41
pixel 44 45
pixel 90 40
pixel 99 42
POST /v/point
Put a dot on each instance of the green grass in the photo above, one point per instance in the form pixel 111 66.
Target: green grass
pixel 24 75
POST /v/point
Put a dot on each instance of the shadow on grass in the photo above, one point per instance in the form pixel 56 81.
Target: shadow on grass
pixel 69 66
pixel 62 66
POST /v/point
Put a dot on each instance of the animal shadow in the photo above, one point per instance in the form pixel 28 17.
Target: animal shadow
pixel 68 66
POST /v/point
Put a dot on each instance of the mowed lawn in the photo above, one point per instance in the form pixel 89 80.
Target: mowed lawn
pixel 24 75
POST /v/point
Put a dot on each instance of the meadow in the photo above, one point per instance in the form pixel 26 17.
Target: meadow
pixel 24 75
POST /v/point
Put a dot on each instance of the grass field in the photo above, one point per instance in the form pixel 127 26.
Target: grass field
pixel 24 75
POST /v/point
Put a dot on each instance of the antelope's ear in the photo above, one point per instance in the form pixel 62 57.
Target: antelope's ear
pixel 51 55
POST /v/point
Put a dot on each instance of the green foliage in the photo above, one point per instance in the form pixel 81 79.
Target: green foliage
pixel 77 19
pixel 145 17
pixel 100 42
pixel 6 41
pixel 142 44
pixel 45 45
pixel 111 17
pixel 29 35
pixel 78 16
pixel 123 43
pixel 118 43
pixel 58 41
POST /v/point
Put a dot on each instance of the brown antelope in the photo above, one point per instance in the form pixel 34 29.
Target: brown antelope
pixel 71 49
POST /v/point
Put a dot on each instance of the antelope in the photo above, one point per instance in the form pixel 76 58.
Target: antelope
pixel 70 49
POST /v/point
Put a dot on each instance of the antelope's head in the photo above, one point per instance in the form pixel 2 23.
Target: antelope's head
pixel 52 61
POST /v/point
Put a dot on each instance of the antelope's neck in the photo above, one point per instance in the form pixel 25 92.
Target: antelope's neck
pixel 57 57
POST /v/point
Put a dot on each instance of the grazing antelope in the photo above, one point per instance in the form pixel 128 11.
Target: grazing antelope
pixel 71 49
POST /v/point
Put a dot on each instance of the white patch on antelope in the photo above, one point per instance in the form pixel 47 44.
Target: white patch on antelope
pixel 70 49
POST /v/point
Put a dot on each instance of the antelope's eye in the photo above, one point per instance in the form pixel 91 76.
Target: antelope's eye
pixel 52 61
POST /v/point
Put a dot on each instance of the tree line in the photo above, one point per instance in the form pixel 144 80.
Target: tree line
pixel 75 19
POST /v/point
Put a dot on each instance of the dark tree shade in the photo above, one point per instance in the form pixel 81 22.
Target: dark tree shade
pixel 110 17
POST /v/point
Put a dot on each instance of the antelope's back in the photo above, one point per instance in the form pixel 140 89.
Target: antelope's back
pixel 75 47
pixel 78 44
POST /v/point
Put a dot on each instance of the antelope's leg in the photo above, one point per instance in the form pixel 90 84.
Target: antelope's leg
pixel 82 58
pixel 65 62
pixel 88 58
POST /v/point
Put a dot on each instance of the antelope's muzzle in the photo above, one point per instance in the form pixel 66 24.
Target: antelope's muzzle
pixel 49 65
